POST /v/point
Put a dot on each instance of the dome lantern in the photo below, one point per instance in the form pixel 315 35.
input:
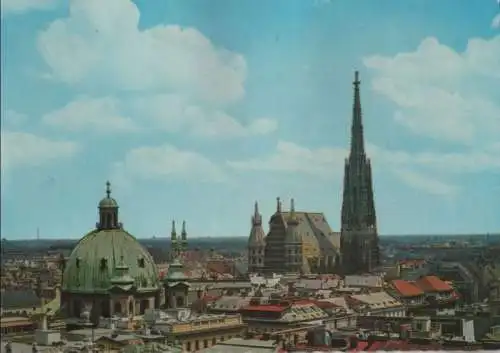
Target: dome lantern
pixel 108 211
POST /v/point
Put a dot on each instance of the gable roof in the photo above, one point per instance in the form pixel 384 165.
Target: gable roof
pixel 432 284
pixel 406 289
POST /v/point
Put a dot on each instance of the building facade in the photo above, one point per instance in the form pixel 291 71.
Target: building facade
pixel 359 237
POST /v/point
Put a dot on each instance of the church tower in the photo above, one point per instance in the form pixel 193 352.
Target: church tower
pixel 256 243
pixel 293 243
pixel 359 238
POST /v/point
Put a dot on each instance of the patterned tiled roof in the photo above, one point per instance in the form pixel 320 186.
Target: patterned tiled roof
pixel 313 227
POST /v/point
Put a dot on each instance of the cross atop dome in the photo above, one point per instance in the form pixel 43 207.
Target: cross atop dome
pixel 108 189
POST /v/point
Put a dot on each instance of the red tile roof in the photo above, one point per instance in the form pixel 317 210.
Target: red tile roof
pixel 265 308
pixel 406 289
pixel 432 284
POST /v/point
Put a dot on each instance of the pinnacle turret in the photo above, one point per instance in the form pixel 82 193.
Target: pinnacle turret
pixel 184 242
pixel 256 218
pixel 292 217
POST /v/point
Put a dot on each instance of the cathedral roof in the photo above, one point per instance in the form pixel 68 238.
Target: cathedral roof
pixel 314 228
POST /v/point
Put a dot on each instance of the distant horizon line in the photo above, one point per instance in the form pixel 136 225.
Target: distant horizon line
pixel 240 236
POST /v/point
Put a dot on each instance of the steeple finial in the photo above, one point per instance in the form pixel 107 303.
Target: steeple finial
pixel 292 206
pixel 256 209
pixel 278 205
pixel 357 139
pixel 108 189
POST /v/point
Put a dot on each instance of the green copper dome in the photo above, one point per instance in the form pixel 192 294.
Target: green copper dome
pixel 109 256
pixel 95 263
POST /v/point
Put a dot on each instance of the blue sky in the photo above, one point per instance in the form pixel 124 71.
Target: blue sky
pixel 195 109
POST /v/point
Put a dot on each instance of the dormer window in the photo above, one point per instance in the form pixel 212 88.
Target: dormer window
pixel 104 264
pixel 141 262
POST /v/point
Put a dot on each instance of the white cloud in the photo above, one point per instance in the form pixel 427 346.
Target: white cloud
pixel 101 115
pixel 186 81
pixel 474 161
pixel 290 157
pixel 21 6
pixel 100 44
pixel 427 171
pixel 495 23
pixel 444 94
pixel 11 117
pixel 24 149
pixel 425 183
pixel 163 162
pixel 175 113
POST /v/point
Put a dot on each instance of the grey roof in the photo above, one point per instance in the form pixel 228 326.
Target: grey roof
pixel 19 299
pixel 230 303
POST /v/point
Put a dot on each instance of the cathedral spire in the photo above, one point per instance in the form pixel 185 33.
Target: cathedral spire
pixel 278 205
pixel 357 138
pixel 359 237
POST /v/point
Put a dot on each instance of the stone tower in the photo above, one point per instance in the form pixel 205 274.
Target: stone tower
pixel 359 238
pixel 274 254
pixel 256 243
pixel 293 243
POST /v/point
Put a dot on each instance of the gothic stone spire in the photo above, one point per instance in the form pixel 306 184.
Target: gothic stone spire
pixel 358 209
pixel 359 225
